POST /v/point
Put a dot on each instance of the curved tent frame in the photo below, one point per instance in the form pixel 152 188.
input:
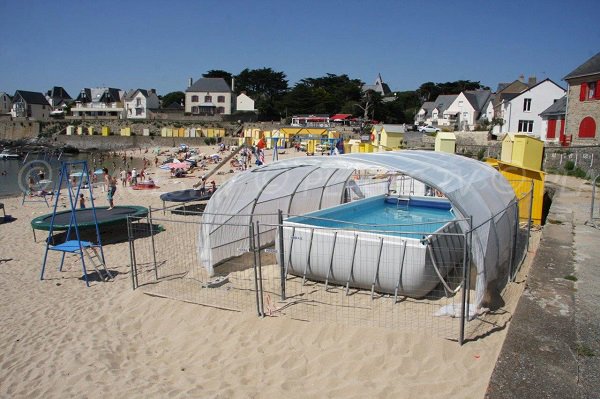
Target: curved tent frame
pixel 302 185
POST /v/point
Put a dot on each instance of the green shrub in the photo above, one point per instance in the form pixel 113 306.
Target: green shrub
pixel 569 165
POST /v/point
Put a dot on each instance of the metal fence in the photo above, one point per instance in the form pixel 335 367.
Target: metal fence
pixel 594 219
pixel 347 276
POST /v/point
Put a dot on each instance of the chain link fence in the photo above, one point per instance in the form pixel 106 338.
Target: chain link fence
pixel 315 274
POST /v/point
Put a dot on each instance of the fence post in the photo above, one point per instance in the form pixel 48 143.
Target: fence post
pixel 530 213
pixel 281 254
pixel 149 218
pixel 251 247
pixel 466 282
pixel 131 253
pixel 513 248
pixel 260 285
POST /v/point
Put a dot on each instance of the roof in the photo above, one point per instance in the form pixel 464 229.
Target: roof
pixel 59 93
pixel 132 93
pixel 428 106
pixel 394 128
pixel 477 98
pixel 443 101
pixel 209 84
pixel 340 117
pixel 531 88
pixel 475 190
pixel 99 94
pixel 32 97
pixel 558 108
pixel 590 67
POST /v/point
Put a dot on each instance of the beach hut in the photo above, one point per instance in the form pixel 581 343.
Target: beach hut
pixel 90 130
pixel 70 130
pixel 105 131
pixel 445 142
pixel 507 147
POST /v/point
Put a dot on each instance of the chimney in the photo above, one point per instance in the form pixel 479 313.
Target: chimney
pixel 532 81
pixel 522 78
pixel 190 82
pixel 153 91
pixel 232 84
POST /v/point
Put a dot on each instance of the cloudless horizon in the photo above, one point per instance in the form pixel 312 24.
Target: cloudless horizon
pixel 152 44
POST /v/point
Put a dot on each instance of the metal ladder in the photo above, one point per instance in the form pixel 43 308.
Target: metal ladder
pixel 97 263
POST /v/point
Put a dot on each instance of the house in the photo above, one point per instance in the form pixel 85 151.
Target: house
pixel 244 103
pixel 58 98
pixel 553 121
pixel 423 117
pixel 5 103
pixel 463 113
pixel 583 102
pixel 139 102
pixel 208 96
pixel 521 113
pixel 391 136
pixel 30 104
pixel 439 116
pixel 99 102
pixel 379 87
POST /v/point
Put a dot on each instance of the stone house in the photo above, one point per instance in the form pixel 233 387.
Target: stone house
pixel 5 103
pixel 30 104
pixel 208 97
pixel 583 102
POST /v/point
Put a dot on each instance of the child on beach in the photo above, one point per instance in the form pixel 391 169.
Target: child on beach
pixel 81 201
pixel 112 188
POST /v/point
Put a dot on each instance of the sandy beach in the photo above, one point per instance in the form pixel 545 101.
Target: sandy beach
pixel 60 339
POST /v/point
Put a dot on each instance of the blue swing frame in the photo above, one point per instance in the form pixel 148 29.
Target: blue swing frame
pixel 72 246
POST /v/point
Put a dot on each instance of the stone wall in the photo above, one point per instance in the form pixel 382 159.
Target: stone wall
pixel 586 158
pixel 18 129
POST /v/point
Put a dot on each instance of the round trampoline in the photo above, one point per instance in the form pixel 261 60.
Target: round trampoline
pixel 185 196
pixel 85 217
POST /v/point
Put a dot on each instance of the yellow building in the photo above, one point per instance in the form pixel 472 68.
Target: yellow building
pixel 390 136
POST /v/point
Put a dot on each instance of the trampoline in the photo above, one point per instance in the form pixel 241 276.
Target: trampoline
pixel 185 196
pixel 85 217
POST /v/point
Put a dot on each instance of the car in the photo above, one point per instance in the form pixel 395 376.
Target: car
pixel 428 129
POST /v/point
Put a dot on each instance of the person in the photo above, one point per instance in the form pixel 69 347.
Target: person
pixel 41 175
pixel 213 187
pixel 203 186
pixel 30 185
pixel 123 176
pixel 81 201
pixel 112 188
pixel 106 178
pixel 134 177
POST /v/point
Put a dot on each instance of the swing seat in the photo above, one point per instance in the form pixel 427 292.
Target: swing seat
pixel 71 246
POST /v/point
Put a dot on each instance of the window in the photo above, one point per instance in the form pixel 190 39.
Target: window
pixel 220 110
pixel 525 126
pixel 138 102
pixel 139 111
pixel 589 91
pixel 194 99
pixel 221 99
pixel 208 99
pixel 587 128
pixel 527 105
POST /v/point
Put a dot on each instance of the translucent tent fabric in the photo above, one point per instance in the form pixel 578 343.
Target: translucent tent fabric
pixel 301 185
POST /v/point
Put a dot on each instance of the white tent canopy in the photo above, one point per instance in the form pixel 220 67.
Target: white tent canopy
pixel 300 185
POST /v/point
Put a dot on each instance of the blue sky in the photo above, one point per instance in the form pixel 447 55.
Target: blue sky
pixel 161 44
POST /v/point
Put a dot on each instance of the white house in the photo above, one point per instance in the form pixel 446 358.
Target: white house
pixel 424 114
pixel 463 113
pixel 99 102
pixel 208 96
pixel 30 104
pixel 439 116
pixel 521 113
pixel 139 102
pixel 5 103
pixel 244 103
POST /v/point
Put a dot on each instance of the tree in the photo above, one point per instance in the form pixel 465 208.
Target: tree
pixel 266 87
pixel 218 73
pixel 177 97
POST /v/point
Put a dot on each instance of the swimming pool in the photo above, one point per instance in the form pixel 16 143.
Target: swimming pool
pixel 385 244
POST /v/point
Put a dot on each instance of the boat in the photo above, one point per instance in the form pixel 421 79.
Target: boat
pixel 6 154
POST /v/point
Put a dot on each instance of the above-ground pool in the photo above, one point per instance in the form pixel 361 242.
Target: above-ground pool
pixel 380 243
